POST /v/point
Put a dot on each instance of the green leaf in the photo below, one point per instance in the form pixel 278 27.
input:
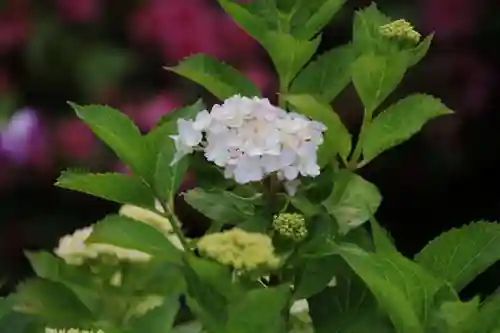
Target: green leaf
pixel 160 319
pixel 337 137
pixel 399 122
pixel 115 187
pixel 376 76
pixel 459 255
pixel 117 131
pixel 328 75
pixel 220 79
pixel 322 235
pixel 458 316
pixel 168 177
pixel 167 125
pixel 289 63
pixel 37 297
pixel 418 52
pixel 131 234
pixel 487 319
pixel 353 200
pixel 207 286
pixel 75 278
pixel 259 310
pixel 381 238
pixel 310 16
pixel 220 206
pixel 6 304
pixel 366 36
pixel 347 307
pixel 247 17
pixel 401 287
pixel 315 275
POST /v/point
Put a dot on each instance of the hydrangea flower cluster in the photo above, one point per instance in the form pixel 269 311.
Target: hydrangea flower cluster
pixel 74 250
pixel 240 249
pixel 250 138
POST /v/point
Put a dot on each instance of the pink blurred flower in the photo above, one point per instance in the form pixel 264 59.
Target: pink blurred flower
pixel 147 113
pixel 24 140
pixel 262 78
pixel 73 139
pixel 14 25
pixel 81 11
pixel 180 28
pixel 450 18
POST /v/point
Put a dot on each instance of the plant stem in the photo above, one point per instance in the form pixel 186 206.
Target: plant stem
pixel 367 118
pixel 169 213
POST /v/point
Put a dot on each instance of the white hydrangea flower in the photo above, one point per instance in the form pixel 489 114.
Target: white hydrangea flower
pixel 250 138
pixel 70 330
pixel 74 251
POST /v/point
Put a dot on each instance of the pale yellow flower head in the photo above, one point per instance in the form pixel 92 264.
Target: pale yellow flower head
pixel 74 251
pixel 291 226
pixel 239 249
pixel 70 330
pixel 400 29
pixel 153 219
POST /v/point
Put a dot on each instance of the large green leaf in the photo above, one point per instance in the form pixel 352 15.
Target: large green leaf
pixel 376 76
pixel 115 187
pixel 208 284
pixel 487 319
pixel 353 200
pixel 459 255
pixel 381 238
pixel 402 288
pixel 337 137
pixel 52 302
pixel 75 278
pixel 347 307
pixel 219 78
pixel 220 206
pixel 159 320
pixel 168 177
pixel 456 316
pixel 315 275
pixel 327 75
pixel 400 122
pixel 118 132
pixel 251 18
pixel 366 35
pixel 298 53
pixel 130 234
pixel 307 17
pixel 259 310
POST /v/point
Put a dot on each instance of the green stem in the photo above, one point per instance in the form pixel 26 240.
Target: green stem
pixel 169 213
pixel 353 163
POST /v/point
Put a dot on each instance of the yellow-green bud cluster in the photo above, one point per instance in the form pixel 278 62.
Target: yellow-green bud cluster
pixel 242 250
pixel 291 226
pixel 400 29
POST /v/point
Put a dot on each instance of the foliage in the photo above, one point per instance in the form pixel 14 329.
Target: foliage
pixel 298 257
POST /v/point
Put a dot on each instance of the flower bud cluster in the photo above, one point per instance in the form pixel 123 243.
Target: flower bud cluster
pixel 291 226
pixel 400 29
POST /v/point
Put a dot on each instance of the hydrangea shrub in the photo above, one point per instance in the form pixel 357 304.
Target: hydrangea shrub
pixel 294 245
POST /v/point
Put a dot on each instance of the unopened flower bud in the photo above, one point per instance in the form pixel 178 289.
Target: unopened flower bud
pixel 401 29
pixel 291 226
pixel 242 250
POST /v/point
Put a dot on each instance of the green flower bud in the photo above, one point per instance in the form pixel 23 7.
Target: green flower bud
pixel 400 29
pixel 291 226
pixel 242 250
